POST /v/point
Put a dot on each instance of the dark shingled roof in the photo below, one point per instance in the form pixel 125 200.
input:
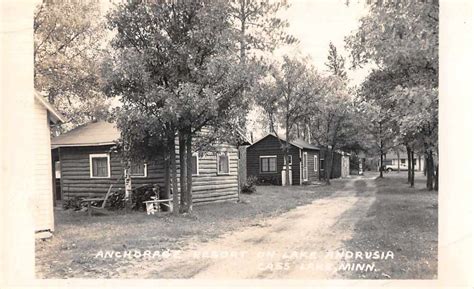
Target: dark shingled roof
pixel 91 134
pixel 300 143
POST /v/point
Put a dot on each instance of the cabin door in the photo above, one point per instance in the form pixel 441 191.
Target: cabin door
pixel 305 166
pixel 287 167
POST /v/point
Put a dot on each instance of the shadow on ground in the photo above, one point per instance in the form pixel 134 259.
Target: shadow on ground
pixel 401 220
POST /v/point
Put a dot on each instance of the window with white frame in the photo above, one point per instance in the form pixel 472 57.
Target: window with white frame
pixel 315 163
pixel 138 170
pixel 99 165
pixel 268 164
pixel 223 165
pixel 321 164
pixel 290 158
pixel 195 164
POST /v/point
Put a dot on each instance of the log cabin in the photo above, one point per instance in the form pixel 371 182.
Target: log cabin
pixel 44 116
pixel 265 161
pixel 87 164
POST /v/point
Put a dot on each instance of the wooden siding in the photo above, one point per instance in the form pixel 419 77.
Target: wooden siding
pixel 313 176
pixel 208 186
pixel 43 189
pixel 267 147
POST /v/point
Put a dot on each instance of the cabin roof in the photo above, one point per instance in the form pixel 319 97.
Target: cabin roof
pixel 53 114
pixel 91 134
pixel 299 143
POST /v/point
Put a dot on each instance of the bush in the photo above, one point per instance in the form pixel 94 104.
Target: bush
pixel 250 185
pixel 74 203
pixel 269 180
pixel 116 200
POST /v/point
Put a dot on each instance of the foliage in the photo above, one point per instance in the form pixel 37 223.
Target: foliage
pixel 336 63
pixel 250 185
pixel 116 200
pixel 398 34
pixel 177 72
pixel 74 203
pixel 401 39
pixel 285 97
pixel 259 26
pixel 67 57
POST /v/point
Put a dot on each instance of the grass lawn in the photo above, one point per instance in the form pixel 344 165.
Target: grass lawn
pixel 78 238
pixel 403 220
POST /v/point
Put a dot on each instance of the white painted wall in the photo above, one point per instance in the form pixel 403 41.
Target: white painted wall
pixel 42 177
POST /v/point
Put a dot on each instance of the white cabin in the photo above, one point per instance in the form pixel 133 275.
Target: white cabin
pixel 44 115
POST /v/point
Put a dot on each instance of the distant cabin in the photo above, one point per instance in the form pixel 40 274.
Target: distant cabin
pixel 44 117
pixel 265 161
pixel 87 164
pixel 393 161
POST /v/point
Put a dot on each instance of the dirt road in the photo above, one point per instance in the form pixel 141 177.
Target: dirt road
pixel 298 244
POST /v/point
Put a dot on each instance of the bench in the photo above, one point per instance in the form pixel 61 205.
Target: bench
pixel 100 208
pixel 153 206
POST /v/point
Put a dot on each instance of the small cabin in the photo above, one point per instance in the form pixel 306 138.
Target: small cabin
pixel 87 164
pixel 44 116
pixel 394 161
pixel 265 161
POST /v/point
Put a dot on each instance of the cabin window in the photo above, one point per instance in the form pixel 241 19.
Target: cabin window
pixel 403 161
pixel 290 158
pixel 195 164
pixel 268 164
pixel 99 165
pixel 223 164
pixel 321 164
pixel 315 163
pixel 138 170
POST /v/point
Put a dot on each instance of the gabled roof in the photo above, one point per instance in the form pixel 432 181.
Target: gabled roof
pixel 91 134
pixel 54 115
pixel 299 143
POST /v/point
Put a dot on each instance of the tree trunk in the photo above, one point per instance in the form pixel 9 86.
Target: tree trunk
pixel 381 165
pixel 412 179
pixel 429 171
pixel 165 193
pixel 328 168
pixel 128 187
pixel 287 168
pixel 398 160
pixel 287 147
pixel 182 170
pixel 189 161
pixel 426 165
pixel 409 163
pixel 436 180
pixel 174 174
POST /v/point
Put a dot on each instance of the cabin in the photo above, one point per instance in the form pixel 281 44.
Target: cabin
pixel 87 163
pixel 393 161
pixel 340 164
pixel 44 116
pixel 265 161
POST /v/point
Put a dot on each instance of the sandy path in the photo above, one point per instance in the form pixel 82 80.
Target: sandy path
pixel 293 245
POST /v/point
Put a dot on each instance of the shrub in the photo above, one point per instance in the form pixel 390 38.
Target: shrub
pixel 250 185
pixel 269 180
pixel 116 200
pixel 74 203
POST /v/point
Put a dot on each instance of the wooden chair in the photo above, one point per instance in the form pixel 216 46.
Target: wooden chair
pixel 99 209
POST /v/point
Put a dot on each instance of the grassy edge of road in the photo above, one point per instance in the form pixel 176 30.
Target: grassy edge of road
pixel 78 238
pixel 402 220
